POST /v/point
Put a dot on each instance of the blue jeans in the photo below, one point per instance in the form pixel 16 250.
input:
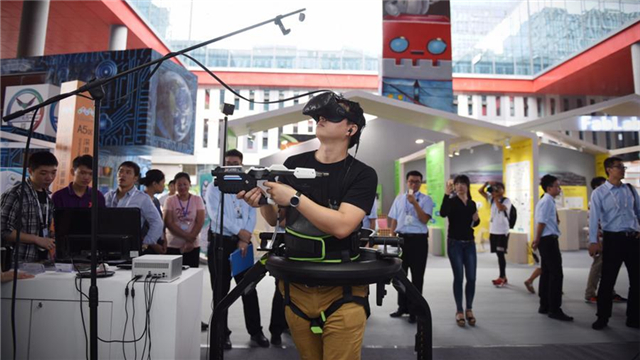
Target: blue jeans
pixel 463 259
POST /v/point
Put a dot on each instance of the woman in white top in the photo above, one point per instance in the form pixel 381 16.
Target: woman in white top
pixel 184 218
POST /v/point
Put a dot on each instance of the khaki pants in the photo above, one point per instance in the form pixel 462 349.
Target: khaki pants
pixel 342 333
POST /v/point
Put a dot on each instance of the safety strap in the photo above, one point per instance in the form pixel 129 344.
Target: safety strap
pixel 317 324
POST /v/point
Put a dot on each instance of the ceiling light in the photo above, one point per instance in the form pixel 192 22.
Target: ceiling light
pixel 450 155
pixel 284 142
pixel 507 143
pixel 456 153
pixel 539 133
pixel 420 141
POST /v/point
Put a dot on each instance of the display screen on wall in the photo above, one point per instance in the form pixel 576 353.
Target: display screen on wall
pixel 160 113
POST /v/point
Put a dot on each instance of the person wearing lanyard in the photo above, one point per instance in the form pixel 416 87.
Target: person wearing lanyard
pixel 184 218
pixel 409 216
pixel 37 209
pixel 128 196
pixel 546 238
pixel 615 206
pixel 239 220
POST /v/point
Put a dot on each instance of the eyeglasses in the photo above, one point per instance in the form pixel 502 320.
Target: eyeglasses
pixel 621 167
pixel 414 181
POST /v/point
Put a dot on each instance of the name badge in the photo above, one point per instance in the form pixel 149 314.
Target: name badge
pixel 409 219
pixel 238 212
pixel 184 226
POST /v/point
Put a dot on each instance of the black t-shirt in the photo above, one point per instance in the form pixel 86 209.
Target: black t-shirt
pixel 460 217
pixel 349 180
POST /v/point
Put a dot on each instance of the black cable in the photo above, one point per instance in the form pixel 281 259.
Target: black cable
pixel 244 98
pixel 16 254
pixel 146 307
pixel 133 319
pixel 84 329
pixel 126 311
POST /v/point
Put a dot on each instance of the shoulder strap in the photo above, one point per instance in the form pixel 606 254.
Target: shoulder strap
pixel 633 194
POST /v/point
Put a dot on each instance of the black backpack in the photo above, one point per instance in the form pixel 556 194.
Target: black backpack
pixel 512 216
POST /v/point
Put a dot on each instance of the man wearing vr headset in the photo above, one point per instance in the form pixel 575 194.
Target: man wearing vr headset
pixel 328 210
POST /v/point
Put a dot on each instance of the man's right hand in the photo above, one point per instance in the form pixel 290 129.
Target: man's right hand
pixel 45 243
pixel 595 249
pixel 449 187
pixel 534 244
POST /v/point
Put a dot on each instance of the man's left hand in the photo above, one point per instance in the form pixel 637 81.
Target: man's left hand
pixel 280 193
pixel 411 199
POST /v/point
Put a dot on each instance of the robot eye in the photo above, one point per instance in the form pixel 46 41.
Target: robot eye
pixel 399 44
pixel 436 46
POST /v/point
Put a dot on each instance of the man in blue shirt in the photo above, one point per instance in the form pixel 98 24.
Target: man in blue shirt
pixel 616 207
pixel 546 238
pixel 409 216
pixel 239 222
pixel 128 196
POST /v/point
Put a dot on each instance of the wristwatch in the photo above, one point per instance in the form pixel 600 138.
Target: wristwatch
pixel 295 200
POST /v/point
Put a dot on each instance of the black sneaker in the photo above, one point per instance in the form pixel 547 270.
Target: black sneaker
pixel 276 339
pixel 412 319
pixel 559 315
pixel 260 339
pixel 227 343
pixel 204 326
pixel 633 324
pixel 600 324
pixel 542 310
pixel 398 313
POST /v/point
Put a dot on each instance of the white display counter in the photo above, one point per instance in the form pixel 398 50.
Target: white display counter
pixel 49 324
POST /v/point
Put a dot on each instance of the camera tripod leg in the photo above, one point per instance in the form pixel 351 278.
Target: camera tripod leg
pixel 217 334
pixel 418 304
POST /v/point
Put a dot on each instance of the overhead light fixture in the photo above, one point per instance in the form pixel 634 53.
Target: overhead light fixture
pixel 284 142
pixel 420 141
pixel 507 143
pixel 456 153
pixel 539 133
pixel 450 154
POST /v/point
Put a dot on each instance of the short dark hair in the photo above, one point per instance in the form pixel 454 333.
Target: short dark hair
pixel 464 179
pixel 547 181
pixel 131 164
pixel 184 175
pixel 172 182
pixel 42 158
pixel 83 160
pixel 234 152
pixel 609 162
pixel 414 173
pixel 152 176
pixel 357 113
pixel 597 181
pixel 499 185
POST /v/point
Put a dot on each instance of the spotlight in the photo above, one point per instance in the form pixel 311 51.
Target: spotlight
pixel 507 143
pixel 539 133
pixel 419 141
pixel 450 155
pixel 456 153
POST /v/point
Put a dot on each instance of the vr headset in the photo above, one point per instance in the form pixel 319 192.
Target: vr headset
pixel 327 105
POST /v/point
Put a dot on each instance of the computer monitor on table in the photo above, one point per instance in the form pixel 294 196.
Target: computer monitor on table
pixel 118 239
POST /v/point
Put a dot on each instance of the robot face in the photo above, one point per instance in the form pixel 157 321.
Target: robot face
pixel 417 37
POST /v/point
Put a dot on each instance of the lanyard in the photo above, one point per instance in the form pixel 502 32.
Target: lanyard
pixel 184 211
pixel 44 222
pixel 408 207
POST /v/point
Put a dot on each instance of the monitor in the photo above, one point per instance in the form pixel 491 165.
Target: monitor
pixel 118 239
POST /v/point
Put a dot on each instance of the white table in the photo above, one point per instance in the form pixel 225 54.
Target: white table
pixel 49 325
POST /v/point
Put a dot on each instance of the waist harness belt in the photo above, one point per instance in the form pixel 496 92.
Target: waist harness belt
pixel 317 324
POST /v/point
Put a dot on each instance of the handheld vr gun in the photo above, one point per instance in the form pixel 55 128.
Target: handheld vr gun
pixel 232 179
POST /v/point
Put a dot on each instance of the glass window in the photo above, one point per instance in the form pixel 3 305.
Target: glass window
pixel 205 134
pixel 252 97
